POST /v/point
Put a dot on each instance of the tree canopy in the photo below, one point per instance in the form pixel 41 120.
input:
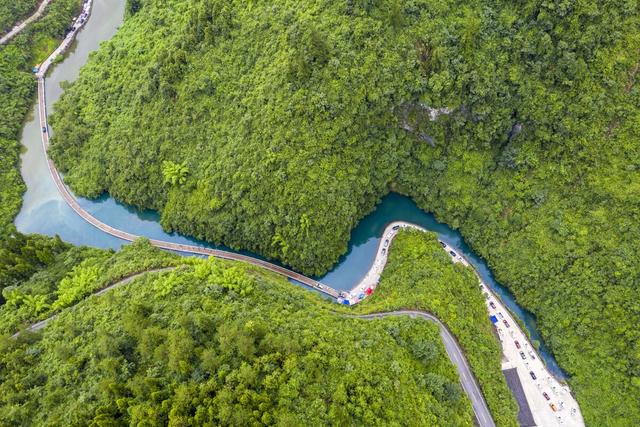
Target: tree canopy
pixel 517 123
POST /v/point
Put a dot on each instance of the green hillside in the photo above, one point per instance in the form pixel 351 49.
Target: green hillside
pixel 275 126
pixel 214 343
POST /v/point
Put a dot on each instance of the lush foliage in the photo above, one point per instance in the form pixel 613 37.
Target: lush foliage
pixel 67 276
pixel 279 111
pixel 12 12
pixel 17 89
pixel 211 344
pixel 420 275
pixel 294 119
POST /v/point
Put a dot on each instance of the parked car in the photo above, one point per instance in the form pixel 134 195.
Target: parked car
pixel 384 251
pixel 443 244
pixel 553 407
pixel 523 355
pixel 453 253
pixel 532 354
pixel 506 323
pixel 517 344
pixel 500 316
pixel 44 129
pixel 532 375
pixel 546 396
pixel 492 305
pixel 395 227
pixel 486 295
pixel 386 243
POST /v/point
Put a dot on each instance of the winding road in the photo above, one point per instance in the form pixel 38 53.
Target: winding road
pixel 454 352
pixel 21 26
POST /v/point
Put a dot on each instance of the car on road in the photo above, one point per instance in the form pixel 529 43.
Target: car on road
pixel 506 323
pixel 492 305
pixel 517 344
pixel 532 375
pixel 546 396
pixel 395 227
pixel 523 355
pixel 453 254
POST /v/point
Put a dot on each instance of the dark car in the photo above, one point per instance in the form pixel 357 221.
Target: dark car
pixel 443 244
pixel 546 396
pixel 395 227
pixel 517 344
pixel 492 305
pixel 44 129
pixel 452 253
pixel 506 323
pixel 532 375
pixel 522 355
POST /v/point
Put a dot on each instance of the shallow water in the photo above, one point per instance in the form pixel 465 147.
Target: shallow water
pixel 44 211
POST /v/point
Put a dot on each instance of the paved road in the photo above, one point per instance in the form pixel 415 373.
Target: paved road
pixel 21 26
pixel 467 380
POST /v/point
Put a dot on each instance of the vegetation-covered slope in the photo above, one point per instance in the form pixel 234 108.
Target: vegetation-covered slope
pixel 420 275
pixel 276 125
pixel 212 343
pixel 41 276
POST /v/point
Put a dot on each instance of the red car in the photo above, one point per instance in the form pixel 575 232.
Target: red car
pixel 546 396
pixel 492 305
pixel 517 344
pixel 506 323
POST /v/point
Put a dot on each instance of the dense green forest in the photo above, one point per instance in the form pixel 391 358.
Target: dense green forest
pixel 12 12
pixel 17 90
pixel 216 343
pixel 275 127
pixel 420 275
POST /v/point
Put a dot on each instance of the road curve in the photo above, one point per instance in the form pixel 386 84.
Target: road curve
pixel 21 26
pixel 467 380
pixel 454 352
